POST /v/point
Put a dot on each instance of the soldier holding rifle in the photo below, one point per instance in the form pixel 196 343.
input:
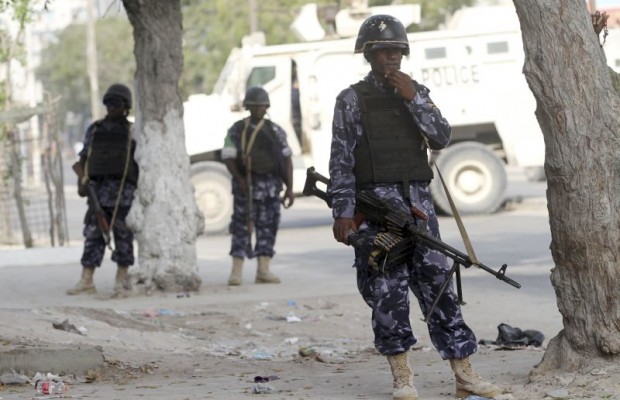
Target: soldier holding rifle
pixel 108 177
pixel 258 157
pixel 382 128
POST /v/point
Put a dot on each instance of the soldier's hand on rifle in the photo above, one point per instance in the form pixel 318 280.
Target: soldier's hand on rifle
pixel 599 21
pixel 342 228
pixel 243 185
pixel 288 198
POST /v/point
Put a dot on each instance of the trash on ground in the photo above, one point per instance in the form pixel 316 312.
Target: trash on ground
pixel 49 384
pixel 263 388
pixel 307 351
pixel 513 338
pixel 261 355
pixel 291 317
pixel 13 378
pixel 66 326
pixel 291 340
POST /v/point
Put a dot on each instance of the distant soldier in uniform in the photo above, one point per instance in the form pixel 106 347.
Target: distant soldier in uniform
pixel 381 130
pixel 258 156
pixel 107 160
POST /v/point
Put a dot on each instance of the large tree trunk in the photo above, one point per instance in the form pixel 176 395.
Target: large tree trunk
pixel 577 109
pixel 164 214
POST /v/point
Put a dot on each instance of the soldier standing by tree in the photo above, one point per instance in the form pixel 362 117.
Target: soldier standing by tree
pixel 258 156
pixel 109 180
pixel 382 128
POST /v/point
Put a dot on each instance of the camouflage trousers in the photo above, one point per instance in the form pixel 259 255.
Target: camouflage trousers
pixel 94 245
pixel 265 220
pixel 387 294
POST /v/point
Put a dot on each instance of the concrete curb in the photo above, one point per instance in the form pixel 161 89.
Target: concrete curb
pixel 62 361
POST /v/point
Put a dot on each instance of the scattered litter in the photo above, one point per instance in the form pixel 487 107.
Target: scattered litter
pixel 262 386
pixel 292 340
pixel 49 385
pixel 307 351
pixel 66 326
pixel 13 379
pixel 558 394
pixel 162 311
pixel 261 355
pixel 512 338
pixel 291 303
pixel 182 295
pixel 597 371
pixel 263 379
pixel 476 398
pixel 291 317
pixel 248 326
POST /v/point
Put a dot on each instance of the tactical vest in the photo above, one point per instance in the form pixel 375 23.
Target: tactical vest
pixel 108 154
pixel 392 148
pixel 265 152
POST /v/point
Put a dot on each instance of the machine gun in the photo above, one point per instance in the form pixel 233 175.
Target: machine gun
pixel 249 205
pixel 405 231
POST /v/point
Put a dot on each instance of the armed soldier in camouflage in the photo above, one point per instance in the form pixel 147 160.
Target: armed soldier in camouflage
pixel 259 159
pixel 382 128
pixel 107 160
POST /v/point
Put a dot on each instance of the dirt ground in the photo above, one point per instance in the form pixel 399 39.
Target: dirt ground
pixel 317 347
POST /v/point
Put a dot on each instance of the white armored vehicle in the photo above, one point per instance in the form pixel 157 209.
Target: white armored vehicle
pixel 473 70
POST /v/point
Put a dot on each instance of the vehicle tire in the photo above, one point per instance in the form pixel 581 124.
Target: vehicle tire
pixel 212 188
pixel 475 176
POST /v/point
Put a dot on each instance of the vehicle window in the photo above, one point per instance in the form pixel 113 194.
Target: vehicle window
pixel 261 75
pixel 435 53
pixel 497 47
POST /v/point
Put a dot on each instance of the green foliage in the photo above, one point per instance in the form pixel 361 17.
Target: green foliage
pixel 211 29
pixel 63 69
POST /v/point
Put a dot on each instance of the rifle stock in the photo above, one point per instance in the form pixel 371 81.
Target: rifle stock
pixel 405 225
pixel 102 221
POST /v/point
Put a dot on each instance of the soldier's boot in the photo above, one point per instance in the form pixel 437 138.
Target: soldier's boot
pixel 235 273
pixel 122 284
pixel 468 382
pixel 263 275
pixel 403 377
pixel 85 284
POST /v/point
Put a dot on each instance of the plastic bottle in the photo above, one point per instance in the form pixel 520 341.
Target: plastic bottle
pixel 50 387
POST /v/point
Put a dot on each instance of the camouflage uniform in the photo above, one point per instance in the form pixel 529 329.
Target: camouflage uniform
pixel 107 192
pixel 266 204
pixel 386 293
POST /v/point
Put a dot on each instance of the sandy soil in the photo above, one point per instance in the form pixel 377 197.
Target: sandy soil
pixel 318 348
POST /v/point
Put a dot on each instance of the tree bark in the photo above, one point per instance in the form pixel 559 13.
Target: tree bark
pixel 164 215
pixel 577 112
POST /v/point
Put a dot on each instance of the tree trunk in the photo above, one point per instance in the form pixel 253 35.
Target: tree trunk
pixel 577 112
pixel 164 215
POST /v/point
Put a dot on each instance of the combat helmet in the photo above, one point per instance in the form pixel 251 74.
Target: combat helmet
pixel 256 96
pixel 120 90
pixel 381 32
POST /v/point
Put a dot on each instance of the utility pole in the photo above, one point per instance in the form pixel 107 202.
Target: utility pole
pixel 91 57
pixel 253 16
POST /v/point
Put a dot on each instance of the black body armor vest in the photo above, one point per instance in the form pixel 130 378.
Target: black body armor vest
pixel 265 153
pixel 108 153
pixel 392 148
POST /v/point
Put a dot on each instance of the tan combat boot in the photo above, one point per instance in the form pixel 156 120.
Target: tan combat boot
pixel 122 284
pixel 262 273
pixel 235 273
pixel 468 382
pixel 403 377
pixel 85 284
